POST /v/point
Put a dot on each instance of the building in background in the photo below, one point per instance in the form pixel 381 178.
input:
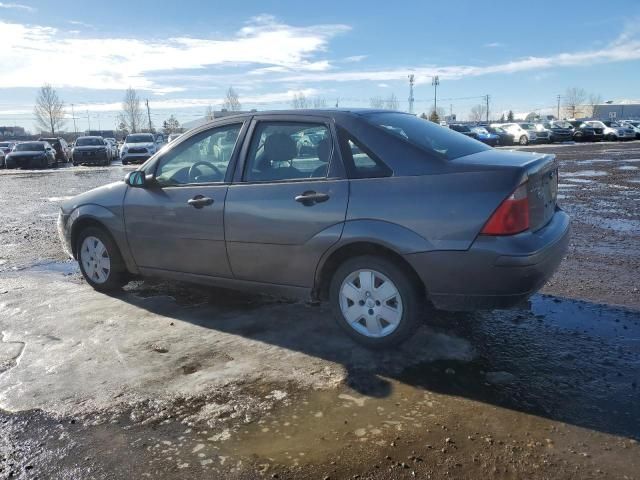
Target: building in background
pixel 13 132
pixel 622 110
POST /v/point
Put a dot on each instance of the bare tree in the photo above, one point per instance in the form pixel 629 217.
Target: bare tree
pixel 574 98
pixel 319 102
pixel 171 125
pixel 376 102
pixel 209 113
pixel 299 101
pixel 49 110
pixel 478 112
pixel 392 102
pixel 132 115
pixel 232 101
pixel 595 99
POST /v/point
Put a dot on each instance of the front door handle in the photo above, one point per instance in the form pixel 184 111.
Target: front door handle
pixel 200 201
pixel 310 197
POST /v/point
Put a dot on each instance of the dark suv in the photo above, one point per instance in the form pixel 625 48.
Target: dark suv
pixel 463 129
pixel 63 151
pixel 584 133
pixel 560 131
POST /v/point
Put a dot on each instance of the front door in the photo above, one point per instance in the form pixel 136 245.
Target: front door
pixel 287 210
pixel 178 225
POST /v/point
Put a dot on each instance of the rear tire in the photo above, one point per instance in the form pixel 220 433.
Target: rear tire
pixel 100 261
pixel 375 302
pixel 523 140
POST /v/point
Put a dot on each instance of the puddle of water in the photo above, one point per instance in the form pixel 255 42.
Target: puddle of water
pixel 566 185
pixel 66 268
pixel 579 180
pixel 585 173
pixel 618 224
pixel 628 167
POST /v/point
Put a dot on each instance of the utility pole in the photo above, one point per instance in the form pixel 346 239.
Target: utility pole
pixel 411 79
pixel 487 98
pixel 558 116
pixel 337 102
pixel 99 125
pixel 435 81
pixel 89 120
pixel 73 114
pixel 149 115
pixel 451 112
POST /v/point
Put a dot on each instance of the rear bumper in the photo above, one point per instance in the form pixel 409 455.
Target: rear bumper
pixel 496 272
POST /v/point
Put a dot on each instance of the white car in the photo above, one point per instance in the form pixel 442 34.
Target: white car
pixel 633 124
pixel 520 135
pixel 541 134
pixel 613 131
pixel 138 148
pixel 113 145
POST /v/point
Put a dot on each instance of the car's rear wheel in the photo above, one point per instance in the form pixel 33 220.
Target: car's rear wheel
pixel 375 302
pixel 523 140
pixel 100 261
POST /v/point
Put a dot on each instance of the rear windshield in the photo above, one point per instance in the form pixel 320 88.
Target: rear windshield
pixel 440 141
pixel 30 147
pixel 89 141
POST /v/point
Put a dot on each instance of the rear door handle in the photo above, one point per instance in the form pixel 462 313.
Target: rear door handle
pixel 200 201
pixel 310 197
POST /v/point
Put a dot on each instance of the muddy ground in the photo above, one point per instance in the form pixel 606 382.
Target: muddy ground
pixel 169 380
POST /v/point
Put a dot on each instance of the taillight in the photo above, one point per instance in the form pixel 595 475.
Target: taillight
pixel 512 216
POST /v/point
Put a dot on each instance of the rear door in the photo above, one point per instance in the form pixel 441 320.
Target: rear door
pixel 179 225
pixel 288 202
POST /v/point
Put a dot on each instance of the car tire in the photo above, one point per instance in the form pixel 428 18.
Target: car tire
pixel 124 162
pixel 523 140
pixel 100 260
pixel 368 324
pixel 611 137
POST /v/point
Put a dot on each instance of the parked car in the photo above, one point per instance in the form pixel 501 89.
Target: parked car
pixel 31 155
pixel 613 131
pixel 485 136
pixel 91 150
pixel 391 217
pixel 537 135
pixel 2 159
pixel 59 144
pixel 559 131
pixel 520 135
pixel 586 133
pixel 6 147
pixel 138 148
pixel 633 124
pixel 113 147
pixel 505 138
pixel 463 129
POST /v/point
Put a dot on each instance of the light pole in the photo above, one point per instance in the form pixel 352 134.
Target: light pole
pixel 75 129
pixel 411 79
pixel 435 81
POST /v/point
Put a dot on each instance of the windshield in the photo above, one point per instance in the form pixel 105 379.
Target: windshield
pixel 441 141
pixel 30 147
pixel 139 139
pixel 89 141
pixel 527 126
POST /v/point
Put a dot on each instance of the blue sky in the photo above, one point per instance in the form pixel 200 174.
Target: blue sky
pixel 184 56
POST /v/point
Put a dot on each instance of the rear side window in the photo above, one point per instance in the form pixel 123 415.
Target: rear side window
pixel 360 162
pixel 439 141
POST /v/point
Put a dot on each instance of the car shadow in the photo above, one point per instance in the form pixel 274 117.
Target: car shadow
pixel 561 359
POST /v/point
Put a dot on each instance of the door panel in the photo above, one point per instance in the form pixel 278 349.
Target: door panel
pixel 164 231
pixel 273 238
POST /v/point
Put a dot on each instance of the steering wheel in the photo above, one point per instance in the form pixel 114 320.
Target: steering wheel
pixel 194 168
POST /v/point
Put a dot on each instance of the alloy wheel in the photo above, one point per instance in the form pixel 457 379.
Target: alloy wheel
pixel 95 259
pixel 370 303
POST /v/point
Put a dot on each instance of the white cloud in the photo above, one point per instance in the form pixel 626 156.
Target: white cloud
pixel 383 85
pixel 117 63
pixel 355 58
pixel 17 6
pixel 493 45
pixel 79 23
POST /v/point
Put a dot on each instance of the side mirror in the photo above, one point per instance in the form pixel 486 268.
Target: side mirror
pixel 138 179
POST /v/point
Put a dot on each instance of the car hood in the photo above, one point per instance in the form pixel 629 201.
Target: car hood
pixel 28 153
pixel 105 196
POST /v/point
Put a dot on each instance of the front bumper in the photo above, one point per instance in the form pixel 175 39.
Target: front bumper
pixel 495 272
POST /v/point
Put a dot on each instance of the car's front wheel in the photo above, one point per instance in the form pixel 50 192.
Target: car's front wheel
pixel 524 140
pixel 100 261
pixel 375 302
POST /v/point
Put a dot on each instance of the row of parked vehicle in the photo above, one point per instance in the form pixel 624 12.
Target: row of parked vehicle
pixel 523 133
pixel 86 150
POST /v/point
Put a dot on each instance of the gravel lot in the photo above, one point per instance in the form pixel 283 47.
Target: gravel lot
pixel 176 381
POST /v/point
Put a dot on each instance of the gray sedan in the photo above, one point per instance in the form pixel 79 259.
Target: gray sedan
pixel 383 214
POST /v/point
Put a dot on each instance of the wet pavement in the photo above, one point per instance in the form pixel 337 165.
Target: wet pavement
pixel 168 380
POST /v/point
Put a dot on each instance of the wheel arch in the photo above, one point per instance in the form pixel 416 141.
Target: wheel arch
pixel 335 258
pixel 81 224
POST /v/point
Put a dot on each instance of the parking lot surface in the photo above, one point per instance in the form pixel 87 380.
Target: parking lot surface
pixel 173 380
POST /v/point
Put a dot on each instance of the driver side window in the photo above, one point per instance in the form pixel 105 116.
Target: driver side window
pixel 203 158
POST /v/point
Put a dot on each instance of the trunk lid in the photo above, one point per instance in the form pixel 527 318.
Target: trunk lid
pixel 540 171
